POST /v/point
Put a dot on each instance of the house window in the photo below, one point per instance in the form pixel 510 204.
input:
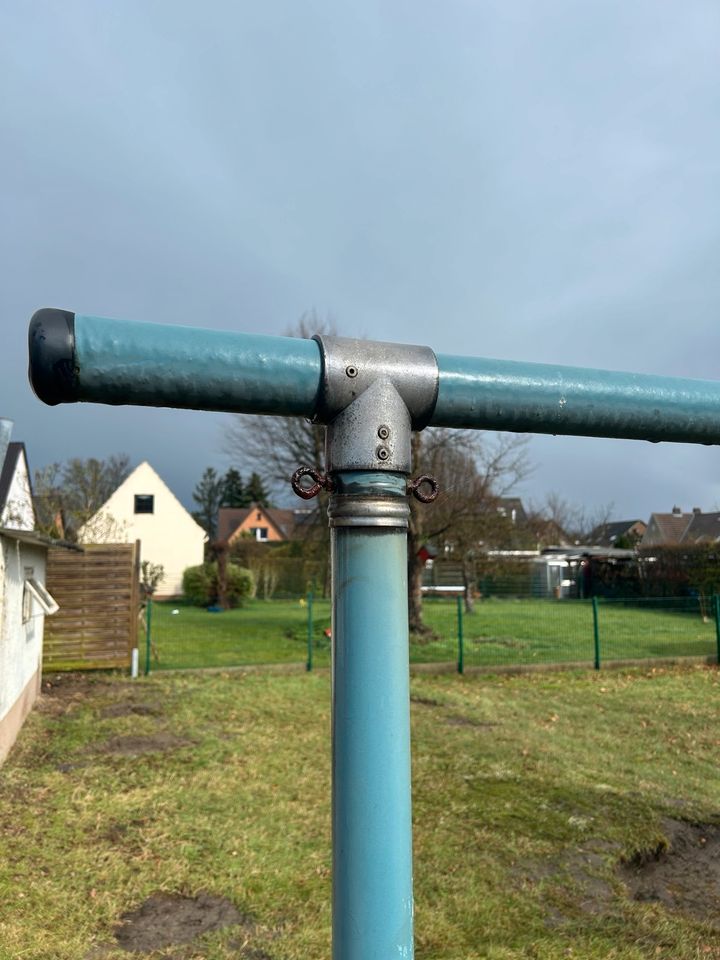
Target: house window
pixel 260 533
pixel 144 503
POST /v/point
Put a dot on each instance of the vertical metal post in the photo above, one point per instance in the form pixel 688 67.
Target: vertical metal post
pixel 309 600
pixel 148 625
pixel 371 817
pixel 461 650
pixel 596 632
pixel 716 602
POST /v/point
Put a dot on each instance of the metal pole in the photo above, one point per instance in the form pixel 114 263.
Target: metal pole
pixel 716 601
pixel 309 663
pixel 461 650
pixel 371 809
pixel 596 632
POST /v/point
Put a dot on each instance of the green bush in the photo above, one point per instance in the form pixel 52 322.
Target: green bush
pixel 200 584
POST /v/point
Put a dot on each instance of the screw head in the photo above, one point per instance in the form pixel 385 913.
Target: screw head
pixel 351 371
pixel 383 432
pixel 382 453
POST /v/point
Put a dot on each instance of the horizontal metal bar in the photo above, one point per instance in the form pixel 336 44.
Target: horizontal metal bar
pixel 544 398
pixel 111 361
pixel 75 357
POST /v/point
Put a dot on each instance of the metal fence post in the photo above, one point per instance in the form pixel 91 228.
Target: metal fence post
pixel 716 603
pixel 596 632
pixel 148 625
pixel 309 662
pixel 461 650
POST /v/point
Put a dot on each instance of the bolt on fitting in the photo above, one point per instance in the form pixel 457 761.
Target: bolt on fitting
pixel 382 453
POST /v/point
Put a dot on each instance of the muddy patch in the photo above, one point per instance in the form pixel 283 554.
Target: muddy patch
pixel 681 873
pixel 133 744
pixel 167 919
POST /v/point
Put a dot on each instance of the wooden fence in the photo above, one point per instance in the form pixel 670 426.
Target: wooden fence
pixel 96 626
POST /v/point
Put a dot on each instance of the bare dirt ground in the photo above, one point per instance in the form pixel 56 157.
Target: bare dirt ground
pixel 682 874
pixel 168 919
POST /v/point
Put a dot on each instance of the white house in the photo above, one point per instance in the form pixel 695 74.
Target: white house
pixel 24 601
pixel 144 508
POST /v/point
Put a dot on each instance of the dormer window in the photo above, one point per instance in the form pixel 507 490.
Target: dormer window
pixel 144 503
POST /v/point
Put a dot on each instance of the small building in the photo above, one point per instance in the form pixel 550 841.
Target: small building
pixel 24 601
pixel 263 524
pixel 567 572
pixel 144 508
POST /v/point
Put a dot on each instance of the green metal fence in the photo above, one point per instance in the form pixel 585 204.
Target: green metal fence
pixel 500 632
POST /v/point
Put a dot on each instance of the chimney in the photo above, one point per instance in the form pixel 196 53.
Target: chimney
pixel 697 511
pixel 5 431
pixel 676 512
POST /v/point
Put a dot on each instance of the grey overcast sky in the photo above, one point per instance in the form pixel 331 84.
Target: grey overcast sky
pixel 525 179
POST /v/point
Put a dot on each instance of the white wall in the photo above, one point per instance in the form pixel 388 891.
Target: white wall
pixel 169 536
pixel 18 513
pixel 20 643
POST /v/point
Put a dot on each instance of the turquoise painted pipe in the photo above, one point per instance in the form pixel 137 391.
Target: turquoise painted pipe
pixel 371 810
pixel 87 358
pixel 74 357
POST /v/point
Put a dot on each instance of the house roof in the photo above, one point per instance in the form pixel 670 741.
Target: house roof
pixel 37 539
pixel 14 451
pixel 670 527
pixel 606 534
pixel 703 528
pixel 285 521
pixel 144 471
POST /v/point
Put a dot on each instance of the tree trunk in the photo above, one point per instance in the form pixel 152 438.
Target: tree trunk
pixel 468 573
pixel 415 574
pixel 221 552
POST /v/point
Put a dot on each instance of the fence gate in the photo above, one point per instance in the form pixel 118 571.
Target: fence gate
pixel 98 592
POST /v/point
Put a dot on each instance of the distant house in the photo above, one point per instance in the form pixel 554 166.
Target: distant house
pixel 628 532
pixel 512 509
pixel 263 524
pixel 666 529
pixel 144 508
pixel 24 601
pixel 702 528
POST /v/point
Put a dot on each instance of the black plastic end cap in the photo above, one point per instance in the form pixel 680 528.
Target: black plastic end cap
pixel 51 342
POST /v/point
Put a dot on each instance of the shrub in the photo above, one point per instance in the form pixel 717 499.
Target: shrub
pixel 200 584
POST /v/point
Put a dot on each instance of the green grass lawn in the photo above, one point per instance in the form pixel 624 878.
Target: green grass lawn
pixel 498 632
pixel 529 791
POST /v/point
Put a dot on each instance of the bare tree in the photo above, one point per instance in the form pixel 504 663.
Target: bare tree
pixel 68 495
pixel 558 520
pixel 274 447
pixel 474 471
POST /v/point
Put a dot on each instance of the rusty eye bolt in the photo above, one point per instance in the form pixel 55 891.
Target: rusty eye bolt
pixel 320 482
